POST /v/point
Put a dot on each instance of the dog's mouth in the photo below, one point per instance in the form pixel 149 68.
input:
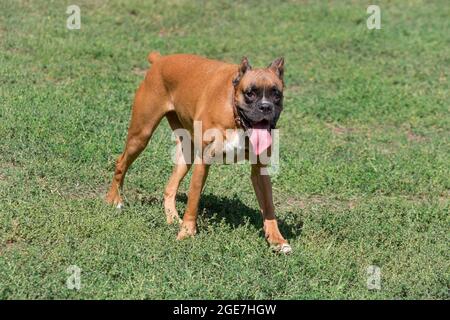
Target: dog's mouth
pixel 262 124
pixel 258 129
pixel 260 136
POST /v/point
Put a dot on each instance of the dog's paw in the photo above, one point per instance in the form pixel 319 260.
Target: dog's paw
pixel 175 220
pixel 116 202
pixel 187 230
pixel 172 216
pixel 113 198
pixel 119 205
pixel 283 248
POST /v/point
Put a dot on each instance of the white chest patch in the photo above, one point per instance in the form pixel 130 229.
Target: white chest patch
pixel 227 151
pixel 234 147
pixel 234 143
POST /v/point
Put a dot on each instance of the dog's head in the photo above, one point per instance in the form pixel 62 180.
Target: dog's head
pixel 259 94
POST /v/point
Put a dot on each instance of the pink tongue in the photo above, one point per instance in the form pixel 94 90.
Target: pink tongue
pixel 260 140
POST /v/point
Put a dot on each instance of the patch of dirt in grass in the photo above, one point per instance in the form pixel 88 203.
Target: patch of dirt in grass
pixel 414 137
pixel 139 71
pixel 295 89
pixel 443 198
pixel 339 130
pixel 9 245
pixel 333 202
pixel 12 238
pixel 150 200
pixel 77 191
pixel 7 165
pixel 167 32
pixel 325 201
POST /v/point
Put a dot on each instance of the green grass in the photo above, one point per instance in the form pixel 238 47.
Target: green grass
pixel 365 152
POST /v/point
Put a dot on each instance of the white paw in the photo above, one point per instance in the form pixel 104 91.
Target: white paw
pixel 284 248
pixel 119 205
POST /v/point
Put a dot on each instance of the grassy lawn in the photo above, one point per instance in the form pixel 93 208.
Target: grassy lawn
pixel 364 161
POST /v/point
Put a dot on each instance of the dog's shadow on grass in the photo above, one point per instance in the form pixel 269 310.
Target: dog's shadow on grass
pixel 235 213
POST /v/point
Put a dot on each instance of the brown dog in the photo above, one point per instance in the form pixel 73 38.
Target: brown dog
pixel 188 88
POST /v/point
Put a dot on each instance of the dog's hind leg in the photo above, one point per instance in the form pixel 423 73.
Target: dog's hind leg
pixel 148 110
pixel 182 166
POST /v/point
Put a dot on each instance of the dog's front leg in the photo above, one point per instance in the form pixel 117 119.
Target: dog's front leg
pixel 189 225
pixel 263 190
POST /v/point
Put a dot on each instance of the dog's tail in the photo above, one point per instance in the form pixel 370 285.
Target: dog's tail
pixel 153 56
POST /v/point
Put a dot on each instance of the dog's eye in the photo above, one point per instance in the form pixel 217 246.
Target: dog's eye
pixel 250 94
pixel 276 93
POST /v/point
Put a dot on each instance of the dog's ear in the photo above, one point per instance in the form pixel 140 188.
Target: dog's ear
pixel 277 66
pixel 243 68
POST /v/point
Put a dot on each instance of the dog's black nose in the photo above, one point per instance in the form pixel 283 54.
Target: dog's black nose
pixel 265 107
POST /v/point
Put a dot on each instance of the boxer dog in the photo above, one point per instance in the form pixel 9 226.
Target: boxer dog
pixel 188 89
